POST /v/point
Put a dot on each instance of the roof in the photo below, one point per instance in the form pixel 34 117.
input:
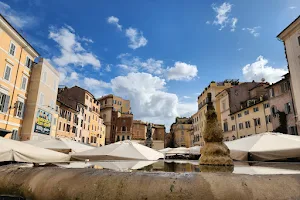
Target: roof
pixel 19 34
pixel 279 35
pixel 285 77
pixel 258 85
pixel 84 90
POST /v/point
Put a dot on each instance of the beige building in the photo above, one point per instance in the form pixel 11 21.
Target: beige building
pixel 16 58
pixel 181 130
pixel 244 110
pixel 41 112
pixel 111 108
pixel 87 126
pixel 209 94
pixel 291 39
pixel 139 130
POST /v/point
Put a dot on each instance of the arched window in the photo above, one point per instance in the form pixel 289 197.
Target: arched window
pixel 123 128
pixel 118 138
pixel 274 111
pixel 123 137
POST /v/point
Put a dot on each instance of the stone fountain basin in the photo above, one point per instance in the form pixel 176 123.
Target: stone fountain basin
pixel 87 183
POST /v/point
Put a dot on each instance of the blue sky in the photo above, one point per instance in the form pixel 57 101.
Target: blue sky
pixel 158 54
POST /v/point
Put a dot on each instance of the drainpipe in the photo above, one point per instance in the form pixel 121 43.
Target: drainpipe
pixel 14 89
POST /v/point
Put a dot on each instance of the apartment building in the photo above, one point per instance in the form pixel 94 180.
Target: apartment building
pixel 209 94
pixel 124 127
pixel 159 132
pixel 41 113
pixel 139 130
pixel 281 100
pixel 291 39
pixel 16 58
pixel 245 110
pixel 181 131
pixel 111 108
pixel 89 127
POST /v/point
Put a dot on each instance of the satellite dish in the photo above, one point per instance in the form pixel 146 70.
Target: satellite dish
pixel 263 80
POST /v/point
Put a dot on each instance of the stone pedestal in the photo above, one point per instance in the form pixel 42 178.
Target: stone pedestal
pixel 149 142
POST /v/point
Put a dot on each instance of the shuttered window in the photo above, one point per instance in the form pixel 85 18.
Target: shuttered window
pixel 4 101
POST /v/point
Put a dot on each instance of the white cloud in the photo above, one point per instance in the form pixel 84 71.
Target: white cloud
pixel 85 39
pixel 72 52
pixel 222 17
pixel 17 19
pixel 149 99
pixel 136 38
pixel 115 21
pixel 240 49
pixel 233 25
pixel 94 83
pixel 134 64
pixel 253 30
pixel 182 71
pixel 207 22
pixel 292 7
pixel 186 97
pixel 259 69
pixel 108 68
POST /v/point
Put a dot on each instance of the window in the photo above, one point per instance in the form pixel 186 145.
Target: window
pixel 118 138
pixel 54 85
pixel 241 126
pixel 44 77
pixel 24 83
pixel 68 128
pixel 4 102
pixel 123 137
pixel 268 119
pixel 59 127
pixel 7 73
pixel 28 62
pixel 225 126
pixel 299 40
pixel 255 109
pixel 232 117
pixel 128 137
pixel 123 128
pixel 87 97
pixel 223 105
pixel 287 108
pixel 246 112
pixel 12 49
pixel 247 124
pixel 73 129
pixel 257 122
pixel 266 105
pixel 239 115
pixel 41 99
pixel 274 111
pixel 19 109
pixel 271 92
pixel 233 128
pixel 64 127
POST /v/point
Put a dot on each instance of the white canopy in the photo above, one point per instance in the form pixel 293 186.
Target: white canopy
pixel 48 142
pixel 195 150
pixel 165 150
pixel 178 151
pixel 265 146
pixel 11 150
pixel 125 165
pixel 124 150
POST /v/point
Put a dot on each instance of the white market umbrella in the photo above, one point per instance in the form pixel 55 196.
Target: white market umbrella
pixel 76 147
pixel 178 151
pixel 12 150
pixel 165 150
pixel 195 150
pixel 123 166
pixel 124 150
pixel 265 146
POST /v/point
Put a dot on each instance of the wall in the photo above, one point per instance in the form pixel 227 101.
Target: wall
pixel 139 130
pixel 100 184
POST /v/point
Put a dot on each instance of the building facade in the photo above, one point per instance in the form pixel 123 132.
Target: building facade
pixel 291 39
pixel 209 94
pixel 181 131
pixel 111 108
pixel 88 126
pixel 281 100
pixel 244 110
pixel 159 132
pixel 124 127
pixel 139 130
pixel 41 111
pixel 16 58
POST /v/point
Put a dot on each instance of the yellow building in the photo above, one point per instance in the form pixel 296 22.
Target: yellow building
pixel 209 94
pixel 181 130
pixel 244 110
pixel 16 58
